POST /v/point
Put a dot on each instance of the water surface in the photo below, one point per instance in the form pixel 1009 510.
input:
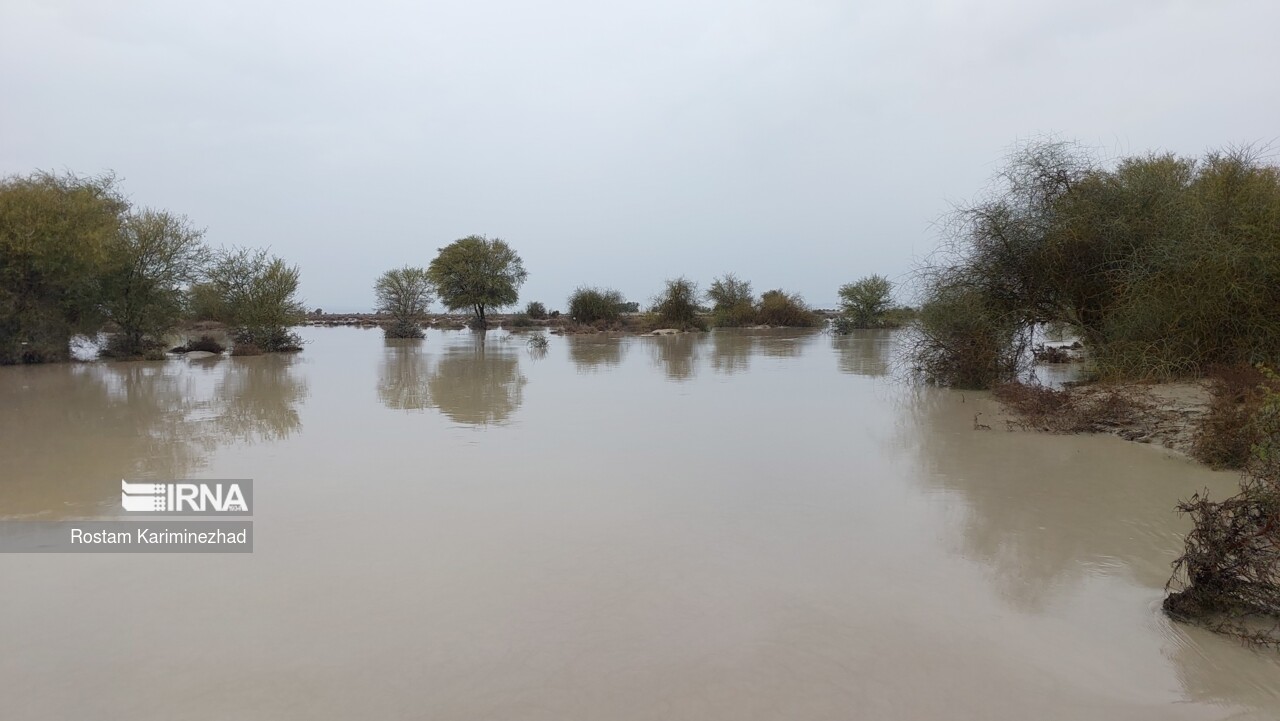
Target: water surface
pixel 736 525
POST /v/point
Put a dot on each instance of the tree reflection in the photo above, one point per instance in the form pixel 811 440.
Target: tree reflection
pixel 786 342
pixel 677 355
pixel 402 380
pixel 864 352
pixel 69 433
pixel 1043 510
pixel 591 353
pixel 257 399
pixel 731 351
pixel 477 385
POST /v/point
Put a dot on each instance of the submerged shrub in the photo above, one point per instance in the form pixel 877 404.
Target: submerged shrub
pixel 677 306
pixel 205 343
pixel 786 310
pixel 258 293
pixel 122 346
pixel 404 294
pixel 266 339
pixel 589 305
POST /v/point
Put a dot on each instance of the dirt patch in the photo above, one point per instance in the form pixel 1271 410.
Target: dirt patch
pixel 1165 414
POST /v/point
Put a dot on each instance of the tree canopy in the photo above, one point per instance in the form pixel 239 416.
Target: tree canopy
pixel 56 233
pixel 865 300
pixel 477 273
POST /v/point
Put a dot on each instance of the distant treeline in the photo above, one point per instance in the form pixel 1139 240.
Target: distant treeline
pixel 478 274
pixel 77 258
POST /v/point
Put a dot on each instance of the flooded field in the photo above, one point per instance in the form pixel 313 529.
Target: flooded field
pixel 749 525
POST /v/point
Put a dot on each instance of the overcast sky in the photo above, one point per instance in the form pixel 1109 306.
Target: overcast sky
pixel 799 144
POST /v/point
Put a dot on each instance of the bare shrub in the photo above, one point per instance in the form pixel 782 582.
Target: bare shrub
pixel 205 343
pixel 962 340
pixel 677 306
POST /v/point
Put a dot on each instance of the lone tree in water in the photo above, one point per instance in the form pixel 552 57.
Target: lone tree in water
pixel 476 273
pixel 865 301
pixel 404 294
pixel 257 294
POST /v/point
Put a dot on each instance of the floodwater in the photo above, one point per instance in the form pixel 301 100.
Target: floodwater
pixel 718 526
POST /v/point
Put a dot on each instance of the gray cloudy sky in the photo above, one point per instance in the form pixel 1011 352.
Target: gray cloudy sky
pixel 798 143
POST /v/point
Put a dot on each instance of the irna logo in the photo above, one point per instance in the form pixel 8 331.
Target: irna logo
pixel 187 497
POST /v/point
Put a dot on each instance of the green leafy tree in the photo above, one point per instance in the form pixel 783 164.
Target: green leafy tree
pixel 152 260
pixel 258 293
pixel 732 301
pixel 404 294
pixel 56 232
pixel 865 301
pixel 204 302
pixel 477 273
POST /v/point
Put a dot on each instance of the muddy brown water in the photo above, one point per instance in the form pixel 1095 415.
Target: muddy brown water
pixel 751 525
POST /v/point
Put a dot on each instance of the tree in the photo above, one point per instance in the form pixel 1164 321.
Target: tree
pixel 588 305
pixel 404 294
pixel 677 306
pixel 153 257
pixel 477 273
pixel 258 296
pixel 865 301
pixel 55 235
pixel 732 302
pixel 786 310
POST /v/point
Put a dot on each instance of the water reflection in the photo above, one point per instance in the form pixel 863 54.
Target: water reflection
pixel 786 343
pixel 402 379
pixel 477 385
pixel 676 355
pixel 731 351
pixel 257 399
pixel 70 432
pixel 591 353
pixel 1045 511
pixel 864 352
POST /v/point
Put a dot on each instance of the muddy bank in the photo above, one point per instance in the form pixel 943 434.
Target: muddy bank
pixel 1161 414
